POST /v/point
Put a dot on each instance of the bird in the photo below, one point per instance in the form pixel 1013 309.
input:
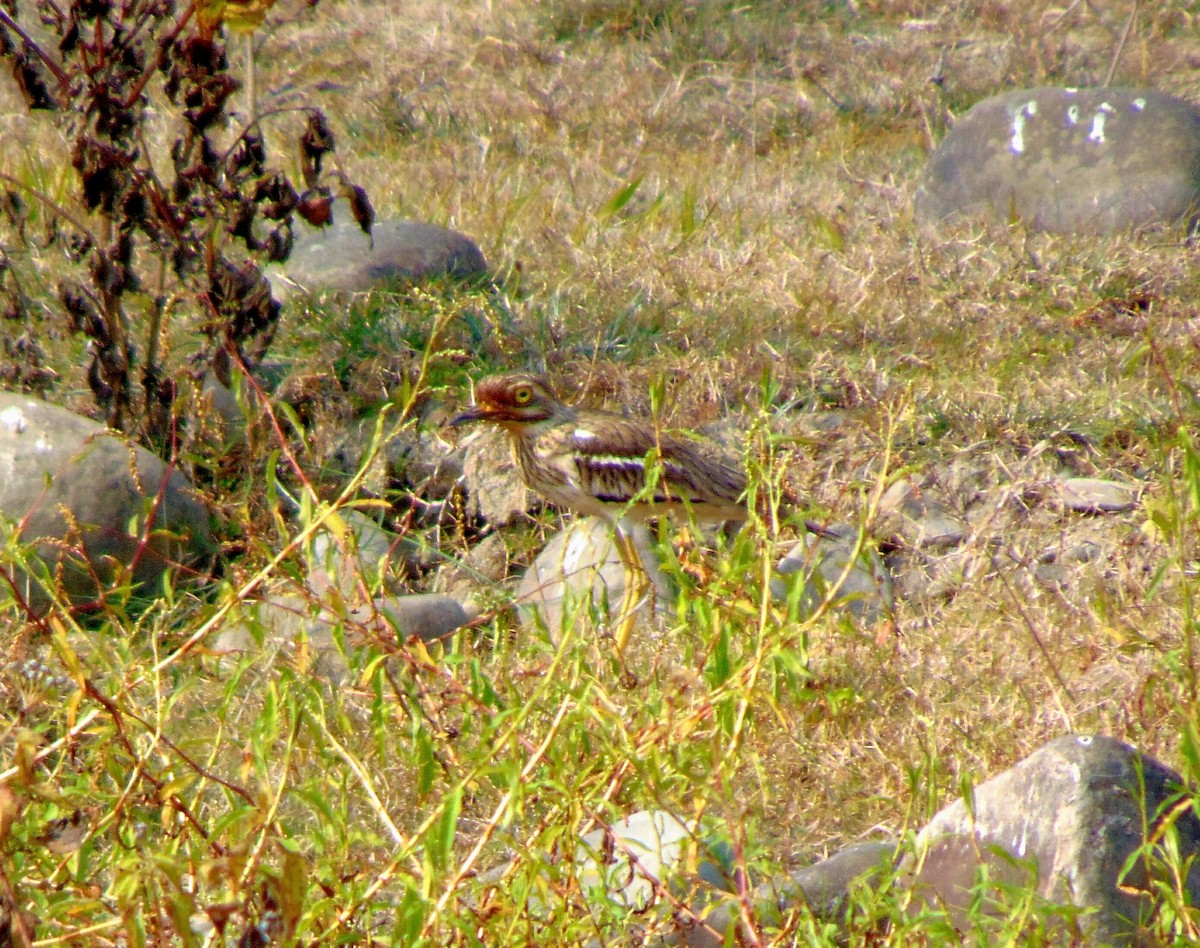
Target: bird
pixel 597 463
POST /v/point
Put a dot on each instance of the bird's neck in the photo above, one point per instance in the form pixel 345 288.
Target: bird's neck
pixel 532 430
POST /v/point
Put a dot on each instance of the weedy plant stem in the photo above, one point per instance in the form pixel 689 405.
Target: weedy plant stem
pixel 1059 688
pixel 364 781
pixel 268 818
pixel 1186 510
pixel 511 732
pixel 497 817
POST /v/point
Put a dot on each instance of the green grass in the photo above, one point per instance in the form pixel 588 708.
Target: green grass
pixel 682 199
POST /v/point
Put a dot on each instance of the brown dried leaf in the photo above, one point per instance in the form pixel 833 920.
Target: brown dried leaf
pixel 316 207
pixel 360 206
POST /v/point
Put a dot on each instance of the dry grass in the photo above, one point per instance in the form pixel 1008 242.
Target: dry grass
pixel 771 227
pixel 698 192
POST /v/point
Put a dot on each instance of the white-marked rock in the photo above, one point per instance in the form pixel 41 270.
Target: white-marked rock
pixel 344 259
pixel 578 570
pixel 624 868
pixel 1093 495
pixel 622 862
pixel 864 586
pixel 95 508
pixel 1066 820
pixel 1086 161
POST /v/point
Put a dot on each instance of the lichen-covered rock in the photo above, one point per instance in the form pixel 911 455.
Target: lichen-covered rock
pixel 93 508
pixel 1085 161
pixel 1066 821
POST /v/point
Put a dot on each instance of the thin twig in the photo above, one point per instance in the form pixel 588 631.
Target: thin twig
pixel 364 781
pixel 1033 632
pixel 49 63
pixel 57 209
pixel 1116 58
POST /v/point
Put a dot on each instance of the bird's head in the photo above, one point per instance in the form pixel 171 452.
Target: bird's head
pixel 512 401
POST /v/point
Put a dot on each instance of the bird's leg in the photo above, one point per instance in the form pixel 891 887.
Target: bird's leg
pixel 637 585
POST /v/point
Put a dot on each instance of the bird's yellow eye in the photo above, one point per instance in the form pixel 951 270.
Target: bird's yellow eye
pixel 523 395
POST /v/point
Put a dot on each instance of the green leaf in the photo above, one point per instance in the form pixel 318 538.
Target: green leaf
pixel 426 761
pixel 441 846
pixel 617 202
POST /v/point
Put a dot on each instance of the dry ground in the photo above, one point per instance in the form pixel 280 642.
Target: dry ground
pixel 697 193
pixel 775 148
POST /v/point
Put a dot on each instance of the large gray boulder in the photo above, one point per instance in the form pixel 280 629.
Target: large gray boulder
pixel 94 508
pixel 1066 821
pixel 344 259
pixel 1084 161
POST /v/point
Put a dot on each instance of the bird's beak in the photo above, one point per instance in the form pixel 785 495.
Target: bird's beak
pixel 474 413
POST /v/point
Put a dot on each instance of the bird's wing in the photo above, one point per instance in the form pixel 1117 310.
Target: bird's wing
pixel 610 452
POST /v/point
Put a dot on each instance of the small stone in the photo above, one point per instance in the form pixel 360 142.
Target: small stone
pixel 293 626
pixel 1052 575
pixel 822 889
pixel 920 520
pixel 1093 495
pixel 1085 161
pixel 114 494
pixel 580 567
pixel 428 616
pixel 866 589
pixel 829 420
pixel 1085 551
pixel 343 259
pixel 1066 820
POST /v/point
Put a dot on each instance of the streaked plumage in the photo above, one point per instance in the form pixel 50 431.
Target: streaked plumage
pixel 595 463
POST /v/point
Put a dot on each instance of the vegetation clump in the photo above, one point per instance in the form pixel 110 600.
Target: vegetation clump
pixel 702 212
